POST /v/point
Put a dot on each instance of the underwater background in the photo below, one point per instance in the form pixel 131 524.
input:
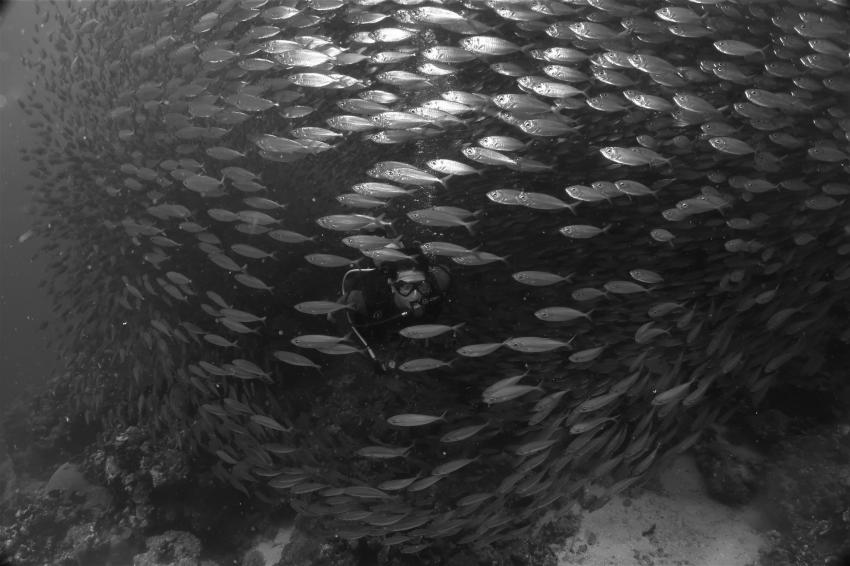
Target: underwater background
pixel 641 205
pixel 23 304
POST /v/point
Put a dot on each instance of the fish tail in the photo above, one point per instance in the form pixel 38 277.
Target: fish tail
pixel 470 227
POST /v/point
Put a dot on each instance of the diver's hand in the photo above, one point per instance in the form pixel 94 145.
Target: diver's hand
pixel 380 367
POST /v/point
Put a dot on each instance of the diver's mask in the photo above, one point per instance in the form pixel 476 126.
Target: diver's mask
pixel 410 289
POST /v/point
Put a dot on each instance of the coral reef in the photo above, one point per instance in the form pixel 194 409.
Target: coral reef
pixel 731 473
pixel 807 499
pixel 172 548
pixel 137 469
pixel 309 548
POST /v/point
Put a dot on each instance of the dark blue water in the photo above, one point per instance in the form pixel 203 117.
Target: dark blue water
pixel 25 358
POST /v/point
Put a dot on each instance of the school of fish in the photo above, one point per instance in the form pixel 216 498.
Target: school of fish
pixel 643 205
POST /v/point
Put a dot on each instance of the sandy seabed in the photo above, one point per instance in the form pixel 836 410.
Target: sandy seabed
pixel 678 525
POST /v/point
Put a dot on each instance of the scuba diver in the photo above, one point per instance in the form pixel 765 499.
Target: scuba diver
pixel 392 295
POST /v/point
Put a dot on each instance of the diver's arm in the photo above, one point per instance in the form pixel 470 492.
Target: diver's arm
pixel 356 299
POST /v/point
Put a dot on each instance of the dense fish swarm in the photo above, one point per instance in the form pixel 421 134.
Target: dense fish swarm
pixel 643 204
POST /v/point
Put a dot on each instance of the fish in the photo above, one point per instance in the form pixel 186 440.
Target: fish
pixel 329 260
pixel 410 419
pixel 508 197
pixel 452 466
pixel 582 231
pixel 731 145
pixel 461 434
pixel 534 447
pixel 672 395
pixel 268 422
pixel 386 255
pixel 383 452
pixel 444 249
pixel 478 258
pixel 368 242
pixel 541 201
pixel 295 359
pixel 350 222
pixel 540 278
pixel 488 157
pixel 220 341
pixel 403 173
pixel 583 427
pixel 479 350
pixel 451 167
pixel 588 355
pixel 488 45
pixel 396 485
pixel 508 393
pixel 320 307
pixel 236 314
pixel 633 156
pixel 535 344
pixel 515 145
pixel 560 314
pixel 423 364
pixel 433 217
pixel 380 190
pixel 252 252
pixel 340 349
pixel 624 287
pixel 425 331
pixel 317 340
pixel 599 402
